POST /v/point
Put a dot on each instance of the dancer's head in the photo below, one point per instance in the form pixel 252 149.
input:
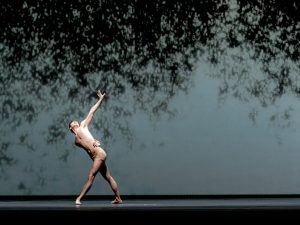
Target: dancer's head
pixel 73 124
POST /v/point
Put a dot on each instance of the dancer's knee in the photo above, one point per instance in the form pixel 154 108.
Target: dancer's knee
pixel 109 178
pixel 91 177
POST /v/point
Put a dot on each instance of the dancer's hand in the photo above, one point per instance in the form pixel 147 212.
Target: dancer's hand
pixel 96 143
pixel 100 95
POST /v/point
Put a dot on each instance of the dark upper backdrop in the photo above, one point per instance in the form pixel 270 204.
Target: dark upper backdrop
pixel 202 96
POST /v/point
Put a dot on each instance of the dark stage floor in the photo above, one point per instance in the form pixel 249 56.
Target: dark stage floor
pixel 139 210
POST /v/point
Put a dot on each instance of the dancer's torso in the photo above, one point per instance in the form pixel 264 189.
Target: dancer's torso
pixel 85 140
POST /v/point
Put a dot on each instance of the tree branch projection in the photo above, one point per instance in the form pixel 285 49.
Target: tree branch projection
pixel 54 54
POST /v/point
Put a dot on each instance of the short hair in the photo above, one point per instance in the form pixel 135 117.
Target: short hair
pixel 70 124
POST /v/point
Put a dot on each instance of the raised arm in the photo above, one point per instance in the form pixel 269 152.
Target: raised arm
pixel 94 108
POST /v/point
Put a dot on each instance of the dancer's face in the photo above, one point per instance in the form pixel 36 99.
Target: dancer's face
pixel 73 124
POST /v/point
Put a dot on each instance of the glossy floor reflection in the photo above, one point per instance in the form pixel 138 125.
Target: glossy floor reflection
pixel 151 210
pixel 155 204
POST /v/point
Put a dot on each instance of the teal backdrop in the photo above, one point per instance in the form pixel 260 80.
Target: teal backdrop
pixel 202 97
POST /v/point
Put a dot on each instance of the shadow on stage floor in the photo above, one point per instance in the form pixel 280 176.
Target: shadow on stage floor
pixel 149 209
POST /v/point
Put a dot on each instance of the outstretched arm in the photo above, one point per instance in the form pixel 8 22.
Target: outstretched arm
pixel 94 108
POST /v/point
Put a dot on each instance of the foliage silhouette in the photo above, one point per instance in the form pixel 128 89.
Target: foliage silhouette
pixel 55 54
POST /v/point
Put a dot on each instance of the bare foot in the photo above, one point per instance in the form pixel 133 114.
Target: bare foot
pixel 77 202
pixel 117 201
